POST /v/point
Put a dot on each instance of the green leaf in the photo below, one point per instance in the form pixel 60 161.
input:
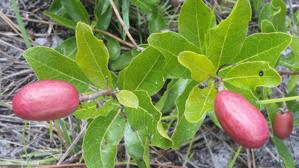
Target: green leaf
pixel 67 12
pixel 226 40
pixel 266 14
pixel 49 64
pixel 279 15
pixel 124 60
pixel 264 47
pixel 147 119
pixel 145 6
pixel 195 20
pixel 250 75
pixel 137 147
pixel 199 103
pixel 92 56
pixel 68 48
pixel 103 14
pixel 145 72
pixel 101 139
pixel 76 10
pixel 184 130
pixel 91 110
pixel 284 153
pixel 170 44
pixel 127 99
pixel 175 88
pixel 267 26
pixel 200 66
pixel 156 20
pixel 113 48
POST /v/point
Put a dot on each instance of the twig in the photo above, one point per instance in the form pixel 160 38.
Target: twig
pixel 115 37
pixel 124 25
pixel 66 153
pixel 288 73
pixel 209 149
pixel 96 95
pixel 253 159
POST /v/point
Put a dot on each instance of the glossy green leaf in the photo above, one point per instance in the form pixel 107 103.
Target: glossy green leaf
pixel 145 72
pixel 264 47
pixel 137 147
pixel 76 10
pixel 103 14
pixel 170 44
pixel 67 12
pixel 113 48
pixel 68 48
pixel 174 89
pixel 199 103
pixel 195 20
pixel 101 140
pixel 49 64
pixel 279 15
pixel 267 26
pixel 147 118
pixel 200 66
pixel 250 75
pixel 184 130
pixel 92 110
pixel 127 99
pixel 92 56
pixel 226 40
pixel 266 14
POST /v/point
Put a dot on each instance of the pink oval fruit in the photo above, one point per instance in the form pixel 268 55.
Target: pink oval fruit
pixel 283 124
pixel 242 121
pixel 45 100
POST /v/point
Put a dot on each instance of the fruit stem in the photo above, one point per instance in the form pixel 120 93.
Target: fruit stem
pixel 277 100
pixel 97 94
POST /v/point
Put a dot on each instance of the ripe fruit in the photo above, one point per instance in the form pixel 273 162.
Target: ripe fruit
pixel 45 100
pixel 242 121
pixel 283 124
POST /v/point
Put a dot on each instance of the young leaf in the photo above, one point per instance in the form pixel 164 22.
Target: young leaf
pixel 225 41
pixel 264 47
pixel 267 26
pixel 137 147
pixel 184 130
pixel 199 103
pixel 200 66
pixel 145 72
pixel 195 20
pixel 127 99
pixel 170 44
pixel 266 14
pixel 48 64
pixel 250 75
pixel 101 140
pixel 92 56
pixel 68 48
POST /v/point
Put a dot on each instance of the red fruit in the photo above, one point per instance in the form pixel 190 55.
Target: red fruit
pixel 283 124
pixel 242 121
pixel 46 100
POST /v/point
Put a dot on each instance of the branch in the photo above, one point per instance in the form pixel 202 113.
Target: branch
pixel 115 37
pixel 288 73
pixel 96 95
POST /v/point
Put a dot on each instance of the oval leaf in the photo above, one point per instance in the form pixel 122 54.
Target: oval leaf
pixel 200 66
pixel 127 98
